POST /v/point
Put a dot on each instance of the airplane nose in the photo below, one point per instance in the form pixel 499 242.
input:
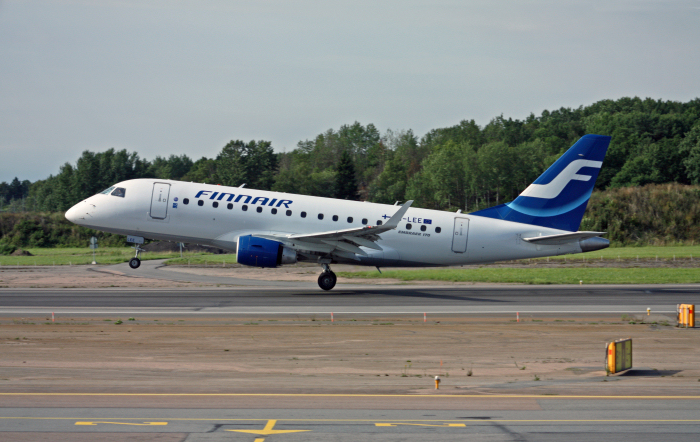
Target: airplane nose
pixel 73 214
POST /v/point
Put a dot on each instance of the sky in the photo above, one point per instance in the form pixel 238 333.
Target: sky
pixel 185 77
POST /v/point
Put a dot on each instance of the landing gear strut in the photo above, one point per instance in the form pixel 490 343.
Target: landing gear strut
pixel 135 262
pixel 327 279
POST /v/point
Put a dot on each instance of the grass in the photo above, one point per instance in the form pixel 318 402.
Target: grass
pixel 648 252
pixel 83 255
pixel 115 255
pixel 203 259
pixel 541 275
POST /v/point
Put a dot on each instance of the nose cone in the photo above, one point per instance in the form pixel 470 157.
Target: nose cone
pixel 73 214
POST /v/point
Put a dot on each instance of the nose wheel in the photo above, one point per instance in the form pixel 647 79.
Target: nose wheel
pixel 327 279
pixel 135 262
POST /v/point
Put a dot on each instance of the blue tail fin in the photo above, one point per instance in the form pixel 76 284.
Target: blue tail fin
pixel 558 198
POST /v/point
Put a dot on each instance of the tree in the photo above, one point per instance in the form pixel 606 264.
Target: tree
pixel 345 182
pixel 690 147
pixel 253 164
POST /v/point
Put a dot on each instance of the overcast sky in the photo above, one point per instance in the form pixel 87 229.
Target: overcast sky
pixel 174 77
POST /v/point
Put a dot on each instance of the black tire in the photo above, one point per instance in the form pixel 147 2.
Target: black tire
pixel 134 263
pixel 326 280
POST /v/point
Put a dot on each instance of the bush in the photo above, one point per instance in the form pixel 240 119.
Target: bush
pixel 6 248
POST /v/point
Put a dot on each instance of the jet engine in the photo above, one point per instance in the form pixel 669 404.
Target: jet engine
pixel 261 252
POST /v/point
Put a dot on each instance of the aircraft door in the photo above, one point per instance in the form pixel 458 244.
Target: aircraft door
pixel 159 200
pixel 460 235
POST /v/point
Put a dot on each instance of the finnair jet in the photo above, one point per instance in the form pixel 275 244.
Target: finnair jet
pixel 268 229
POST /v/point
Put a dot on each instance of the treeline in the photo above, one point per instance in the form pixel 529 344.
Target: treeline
pixel 655 214
pixel 465 167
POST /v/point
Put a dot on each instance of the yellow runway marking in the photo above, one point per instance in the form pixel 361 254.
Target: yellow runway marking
pixel 120 423
pixel 268 429
pixel 331 395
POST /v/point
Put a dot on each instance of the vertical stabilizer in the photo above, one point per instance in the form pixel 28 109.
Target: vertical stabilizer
pixel 558 198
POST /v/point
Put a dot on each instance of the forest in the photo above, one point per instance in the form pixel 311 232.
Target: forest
pixel 466 166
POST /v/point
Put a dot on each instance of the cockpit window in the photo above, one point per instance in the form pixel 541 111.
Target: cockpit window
pixel 106 191
pixel 119 191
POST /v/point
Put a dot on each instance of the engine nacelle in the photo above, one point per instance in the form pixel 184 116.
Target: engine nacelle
pixel 261 252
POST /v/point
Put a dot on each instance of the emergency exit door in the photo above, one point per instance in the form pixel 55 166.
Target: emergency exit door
pixel 460 234
pixel 159 200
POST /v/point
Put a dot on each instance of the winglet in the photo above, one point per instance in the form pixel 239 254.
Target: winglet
pixel 394 220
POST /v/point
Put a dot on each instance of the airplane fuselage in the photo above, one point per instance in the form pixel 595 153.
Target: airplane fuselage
pixel 218 215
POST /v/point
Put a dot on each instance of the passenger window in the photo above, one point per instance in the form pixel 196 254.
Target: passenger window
pixel 408 226
pixel 349 219
pixel 289 213
pixel 119 191
pixel 303 214
pixel 200 203
pixel 259 209
pixel 438 230
pixel 186 201
pixel 274 211
pixel 244 208
pixel 215 204
pixel 379 222
pixel 320 216
pixel 422 228
pixel 364 220
pixel 229 206
pixel 335 217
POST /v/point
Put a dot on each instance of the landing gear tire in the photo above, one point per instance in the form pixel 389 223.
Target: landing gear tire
pixel 134 263
pixel 327 280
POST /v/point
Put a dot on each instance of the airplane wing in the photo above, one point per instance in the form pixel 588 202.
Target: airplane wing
pixel 563 238
pixel 345 243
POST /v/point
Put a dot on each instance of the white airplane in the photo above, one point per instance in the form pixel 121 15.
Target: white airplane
pixel 268 229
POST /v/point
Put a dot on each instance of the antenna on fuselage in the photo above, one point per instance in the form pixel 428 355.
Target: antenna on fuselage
pixel 241 186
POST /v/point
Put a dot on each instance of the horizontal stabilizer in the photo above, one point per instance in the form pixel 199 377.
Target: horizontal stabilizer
pixel 563 238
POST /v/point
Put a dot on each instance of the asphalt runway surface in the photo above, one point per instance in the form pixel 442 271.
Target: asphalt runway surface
pixel 475 418
pixel 398 299
pixel 290 418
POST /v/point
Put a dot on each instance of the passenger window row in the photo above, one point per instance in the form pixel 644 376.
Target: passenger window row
pixel 259 209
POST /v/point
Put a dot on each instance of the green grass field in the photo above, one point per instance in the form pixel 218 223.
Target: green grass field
pixel 650 252
pixel 525 275
pixel 203 259
pixel 609 275
pixel 78 256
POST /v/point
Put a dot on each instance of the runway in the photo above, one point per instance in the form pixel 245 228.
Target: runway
pixel 58 398
pixel 400 299
pixel 371 417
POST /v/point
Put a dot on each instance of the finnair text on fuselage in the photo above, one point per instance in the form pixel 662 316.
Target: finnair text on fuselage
pixel 246 199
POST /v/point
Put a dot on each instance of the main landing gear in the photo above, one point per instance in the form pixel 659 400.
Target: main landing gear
pixel 327 279
pixel 135 262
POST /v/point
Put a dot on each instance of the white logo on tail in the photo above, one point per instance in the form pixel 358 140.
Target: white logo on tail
pixel 554 188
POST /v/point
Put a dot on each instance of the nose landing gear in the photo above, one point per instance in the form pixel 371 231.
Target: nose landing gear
pixel 135 262
pixel 327 279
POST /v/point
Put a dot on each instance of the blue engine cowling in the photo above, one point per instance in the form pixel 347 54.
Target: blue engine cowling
pixel 260 252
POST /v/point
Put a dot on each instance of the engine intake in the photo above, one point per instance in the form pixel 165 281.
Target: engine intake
pixel 261 252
